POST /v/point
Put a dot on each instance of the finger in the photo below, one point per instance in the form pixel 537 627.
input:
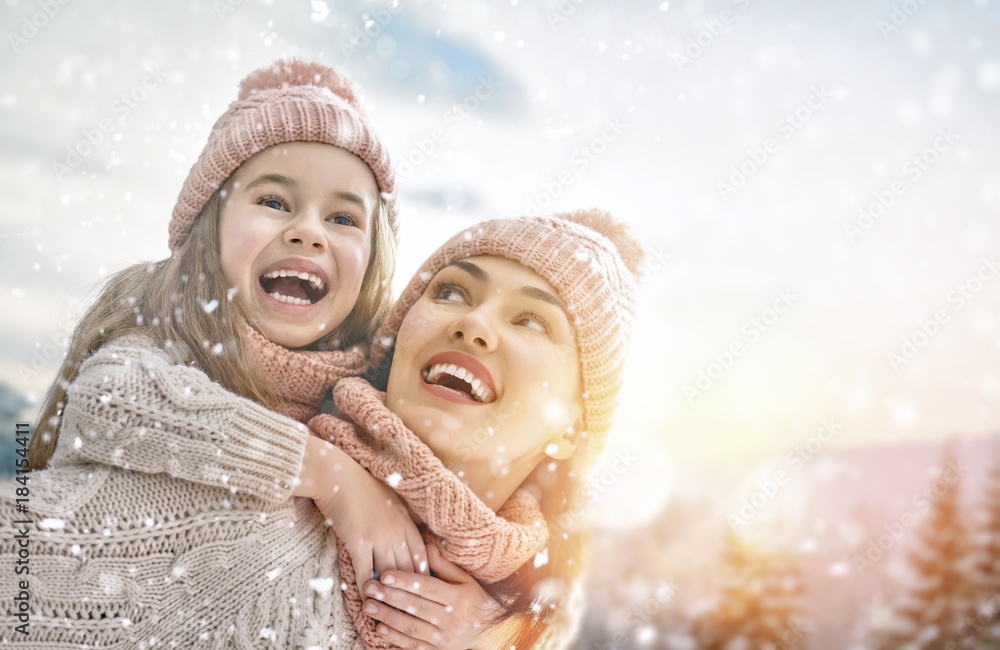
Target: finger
pixel 397 638
pixel 385 559
pixel 413 605
pixel 362 560
pixel 417 585
pixel 401 556
pixel 418 552
pixel 445 568
pixel 413 627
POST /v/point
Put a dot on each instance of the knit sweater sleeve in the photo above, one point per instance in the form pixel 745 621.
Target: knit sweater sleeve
pixel 130 406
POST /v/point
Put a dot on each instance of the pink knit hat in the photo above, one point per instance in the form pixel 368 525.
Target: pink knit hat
pixel 590 259
pixel 288 101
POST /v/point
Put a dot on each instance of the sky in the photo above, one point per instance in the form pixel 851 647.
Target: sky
pixel 817 184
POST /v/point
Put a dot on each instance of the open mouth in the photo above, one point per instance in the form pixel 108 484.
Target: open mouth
pixel 459 379
pixel 293 287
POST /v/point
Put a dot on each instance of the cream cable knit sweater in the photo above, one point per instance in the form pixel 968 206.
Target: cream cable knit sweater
pixel 198 546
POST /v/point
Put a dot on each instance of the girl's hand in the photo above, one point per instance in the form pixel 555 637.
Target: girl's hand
pixel 369 518
pixel 416 611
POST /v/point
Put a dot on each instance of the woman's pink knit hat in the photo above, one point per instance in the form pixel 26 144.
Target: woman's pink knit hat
pixel 590 259
pixel 288 101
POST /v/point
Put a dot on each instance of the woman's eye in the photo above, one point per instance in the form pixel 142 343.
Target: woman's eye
pixel 534 322
pixel 343 220
pixel 448 293
pixel 273 202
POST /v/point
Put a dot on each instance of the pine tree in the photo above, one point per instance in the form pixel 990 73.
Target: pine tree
pixel 928 613
pixel 982 626
pixel 759 604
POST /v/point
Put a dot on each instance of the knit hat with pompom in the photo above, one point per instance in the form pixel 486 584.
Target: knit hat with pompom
pixel 592 261
pixel 287 101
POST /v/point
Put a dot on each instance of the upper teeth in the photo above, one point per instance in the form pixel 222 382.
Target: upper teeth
pixel 480 389
pixel 314 280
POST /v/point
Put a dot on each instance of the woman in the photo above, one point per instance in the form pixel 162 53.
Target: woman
pixel 504 359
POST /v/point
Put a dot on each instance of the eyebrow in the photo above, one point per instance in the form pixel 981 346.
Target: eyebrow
pixel 531 292
pixel 278 179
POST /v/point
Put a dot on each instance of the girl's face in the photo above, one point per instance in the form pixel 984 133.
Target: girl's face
pixel 295 238
pixel 486 369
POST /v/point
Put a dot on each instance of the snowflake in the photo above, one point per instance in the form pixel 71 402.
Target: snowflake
pixel 322 586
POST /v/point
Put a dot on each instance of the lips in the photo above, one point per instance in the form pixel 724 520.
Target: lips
pixel 462 376
pixel 294 282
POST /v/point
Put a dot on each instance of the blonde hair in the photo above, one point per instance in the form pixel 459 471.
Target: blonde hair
pixel 167 301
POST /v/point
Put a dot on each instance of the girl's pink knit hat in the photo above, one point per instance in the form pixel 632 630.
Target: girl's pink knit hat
pixel 288 101
pixel 590 259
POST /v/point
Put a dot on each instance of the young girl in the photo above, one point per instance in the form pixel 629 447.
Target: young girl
pixel 167 518
pixel 506 351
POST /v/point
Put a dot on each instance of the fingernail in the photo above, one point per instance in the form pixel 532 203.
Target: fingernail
pixel 383 630
pixel 388 580
pixel 371 608
pixel 371 590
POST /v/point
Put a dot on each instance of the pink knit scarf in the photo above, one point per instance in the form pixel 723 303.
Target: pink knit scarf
pixel 305 376
pixel 490 546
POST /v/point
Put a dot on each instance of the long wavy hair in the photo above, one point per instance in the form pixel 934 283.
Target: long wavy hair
pixel 185 304
pixel 540 593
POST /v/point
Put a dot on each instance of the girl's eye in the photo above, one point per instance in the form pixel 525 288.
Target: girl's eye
pixel 273 202
pixel 343 219
pixel 533 322
pixel 448 293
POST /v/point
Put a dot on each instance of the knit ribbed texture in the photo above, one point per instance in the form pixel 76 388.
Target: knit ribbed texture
pixel 490 546
pixel 590 259
pixel 305 376
pixel 288 101
pixel 167 516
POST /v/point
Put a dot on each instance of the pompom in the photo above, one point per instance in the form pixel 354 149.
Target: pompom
pixel 614 229
pixel 296 72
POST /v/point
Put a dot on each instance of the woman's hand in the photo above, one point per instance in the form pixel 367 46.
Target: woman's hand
pixel 369 518
pixel 450 611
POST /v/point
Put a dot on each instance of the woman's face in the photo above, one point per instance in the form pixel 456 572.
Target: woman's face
pixel 486 370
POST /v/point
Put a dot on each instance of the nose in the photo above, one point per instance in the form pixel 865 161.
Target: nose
pixel 474 328
pixel 306 230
